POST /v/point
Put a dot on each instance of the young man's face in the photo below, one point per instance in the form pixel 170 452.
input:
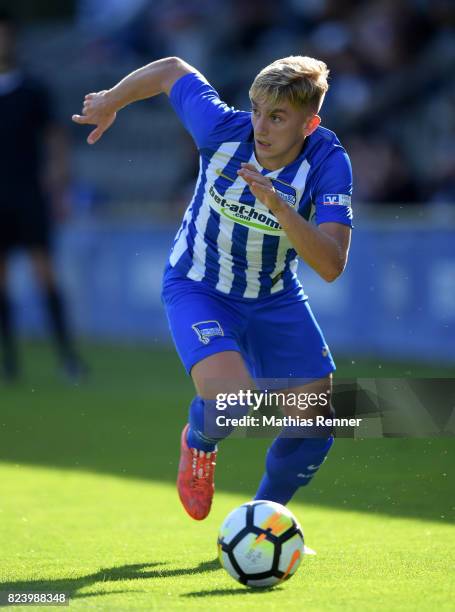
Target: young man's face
pixel 279 132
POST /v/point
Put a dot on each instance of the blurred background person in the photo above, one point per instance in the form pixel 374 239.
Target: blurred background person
pixel 31 196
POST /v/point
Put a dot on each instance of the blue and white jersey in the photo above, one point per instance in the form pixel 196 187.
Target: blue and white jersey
pixel 228 238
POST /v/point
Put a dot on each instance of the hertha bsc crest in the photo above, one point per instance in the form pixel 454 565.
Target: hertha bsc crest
pixel 205 330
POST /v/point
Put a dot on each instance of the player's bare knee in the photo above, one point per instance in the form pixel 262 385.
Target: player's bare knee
pixel 310 400
pixel 222 373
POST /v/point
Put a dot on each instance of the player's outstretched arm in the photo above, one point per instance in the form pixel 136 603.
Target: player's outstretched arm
pixel 100 108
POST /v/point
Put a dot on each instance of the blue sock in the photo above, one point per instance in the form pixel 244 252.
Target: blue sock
pixel 203 432
pixel 291 463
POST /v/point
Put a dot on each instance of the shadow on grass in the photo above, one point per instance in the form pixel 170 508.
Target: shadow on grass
pixel 126 421
pixel 137 571
pixel 238 591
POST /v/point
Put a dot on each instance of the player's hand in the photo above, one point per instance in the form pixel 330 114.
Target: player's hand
pixel 261 187
pixel 96 111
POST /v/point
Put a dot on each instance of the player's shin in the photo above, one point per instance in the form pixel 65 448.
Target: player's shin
pixel 208 425
pixel 292 460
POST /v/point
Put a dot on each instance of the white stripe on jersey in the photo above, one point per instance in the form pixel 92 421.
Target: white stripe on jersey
pixel 294 265
pixel 224 243
pixel 181 245
pixel 254 255
pixel 280 259
pixel 300 179
pixel 226 275
pixel 197 270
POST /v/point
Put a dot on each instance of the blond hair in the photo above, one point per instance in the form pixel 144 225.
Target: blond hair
pixel 300 79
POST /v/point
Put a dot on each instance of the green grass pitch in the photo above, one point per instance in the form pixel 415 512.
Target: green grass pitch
pixel 88 503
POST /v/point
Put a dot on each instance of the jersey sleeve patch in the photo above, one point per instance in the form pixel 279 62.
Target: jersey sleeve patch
pixel 336 199
pixel 333 189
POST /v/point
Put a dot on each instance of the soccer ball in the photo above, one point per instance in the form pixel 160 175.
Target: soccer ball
pixel 260 544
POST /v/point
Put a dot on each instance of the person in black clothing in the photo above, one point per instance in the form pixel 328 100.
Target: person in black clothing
pixel 28 192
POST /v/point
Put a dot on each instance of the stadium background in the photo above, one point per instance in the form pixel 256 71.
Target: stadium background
pixel 391 103
pixel 391 314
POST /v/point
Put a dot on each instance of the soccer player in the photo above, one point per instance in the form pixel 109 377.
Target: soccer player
pixel 27 126
pixel 273 186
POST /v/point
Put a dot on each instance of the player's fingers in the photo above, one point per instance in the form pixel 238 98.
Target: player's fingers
pixel 248 173
pixel 250 176
pixel 80 119
pixel 261 187
pixel 246 177
pixel 259 192
pixel 94 135
pixel 249 166
pixel 248 169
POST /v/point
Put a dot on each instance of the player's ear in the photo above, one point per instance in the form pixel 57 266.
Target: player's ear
pixel 311 124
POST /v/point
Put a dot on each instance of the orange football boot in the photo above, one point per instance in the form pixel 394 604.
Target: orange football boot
pixel 195 479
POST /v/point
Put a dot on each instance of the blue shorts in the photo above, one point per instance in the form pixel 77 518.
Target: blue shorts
pixel 277 336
